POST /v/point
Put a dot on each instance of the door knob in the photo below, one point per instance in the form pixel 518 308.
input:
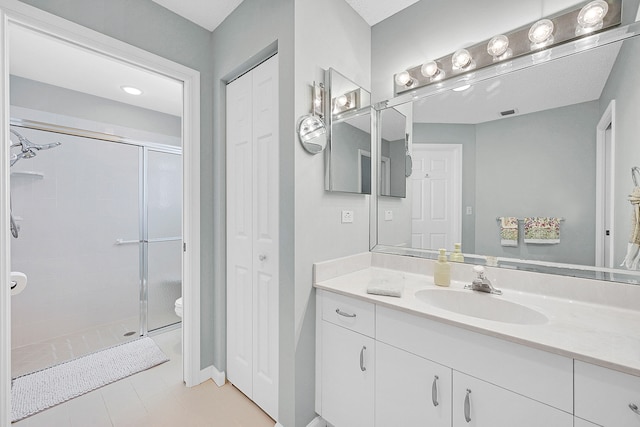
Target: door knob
pixel 262 257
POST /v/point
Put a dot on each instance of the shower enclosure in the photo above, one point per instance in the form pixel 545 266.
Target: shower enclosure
pixel 99 226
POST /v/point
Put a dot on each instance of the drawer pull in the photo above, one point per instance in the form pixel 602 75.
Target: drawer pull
pixel 342 313
pixel 434 391
pixel 362 367
pixel 634 408
pixel 467 407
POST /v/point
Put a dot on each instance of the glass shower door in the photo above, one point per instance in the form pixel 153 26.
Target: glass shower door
pixel 163 242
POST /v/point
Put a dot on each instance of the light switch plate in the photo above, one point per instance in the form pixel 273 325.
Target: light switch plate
pixel 388 215
pixel 347 217
pixel 469 210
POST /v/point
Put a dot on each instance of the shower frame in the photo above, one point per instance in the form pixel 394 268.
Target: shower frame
pixel 144 147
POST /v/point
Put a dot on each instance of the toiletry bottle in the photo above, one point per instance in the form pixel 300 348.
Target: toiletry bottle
pixel 442 270
pixel 456 255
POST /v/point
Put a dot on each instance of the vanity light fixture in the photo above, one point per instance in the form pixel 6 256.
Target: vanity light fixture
pixel 541 33
pixel 432 70
pixel 131 90
pixel 346 102
pixel 535 38
pixel 404 79
pixel 591 16
pixel 498 47
pixel 462 60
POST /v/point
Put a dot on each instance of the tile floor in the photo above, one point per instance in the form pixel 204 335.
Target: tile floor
pixel 156 397
pixel 33 357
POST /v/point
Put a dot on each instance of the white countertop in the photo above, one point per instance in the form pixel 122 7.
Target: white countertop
pixel 600 334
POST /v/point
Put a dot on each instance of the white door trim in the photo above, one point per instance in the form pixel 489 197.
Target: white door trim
pixel 13 11
pixel 608 118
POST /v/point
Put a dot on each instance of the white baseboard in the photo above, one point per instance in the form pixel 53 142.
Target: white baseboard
pixel 211 373
pixel 318 422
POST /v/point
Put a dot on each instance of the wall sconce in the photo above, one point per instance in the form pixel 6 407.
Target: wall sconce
pixel 539 36
pixel 346 102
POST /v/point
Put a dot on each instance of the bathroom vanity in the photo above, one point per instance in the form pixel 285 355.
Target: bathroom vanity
pixel 545 353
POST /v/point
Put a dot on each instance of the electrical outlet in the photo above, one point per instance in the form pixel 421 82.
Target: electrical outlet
pixel 388 215
pixel 347 217
pixel 469 210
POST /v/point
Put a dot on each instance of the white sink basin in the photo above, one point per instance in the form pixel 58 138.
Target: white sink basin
pixel 481 305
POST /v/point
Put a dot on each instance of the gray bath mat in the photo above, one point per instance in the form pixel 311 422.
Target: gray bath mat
pixel 43 389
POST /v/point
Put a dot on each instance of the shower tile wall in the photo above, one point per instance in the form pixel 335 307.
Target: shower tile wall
pixel 70 218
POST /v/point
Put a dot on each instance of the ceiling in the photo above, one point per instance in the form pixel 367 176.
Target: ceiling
pixel 209 14
pixel 45 59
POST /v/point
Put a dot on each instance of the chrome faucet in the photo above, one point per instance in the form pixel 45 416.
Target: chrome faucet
pixel 481 283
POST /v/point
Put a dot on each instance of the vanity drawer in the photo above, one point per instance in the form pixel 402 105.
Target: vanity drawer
pixel 603 396
pixel 351 313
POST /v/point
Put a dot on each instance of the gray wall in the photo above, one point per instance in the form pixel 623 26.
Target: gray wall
pixel 319 235
pixel 249 35
pixel 44 97
pixel 145 24
pixel 539 164
pixel 624 86
pixel 430 133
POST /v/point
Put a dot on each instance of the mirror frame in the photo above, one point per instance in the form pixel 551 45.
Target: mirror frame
pixel 571 270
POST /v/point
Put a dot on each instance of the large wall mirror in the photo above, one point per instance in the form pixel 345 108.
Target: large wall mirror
pixel 548 135
pixel 348 116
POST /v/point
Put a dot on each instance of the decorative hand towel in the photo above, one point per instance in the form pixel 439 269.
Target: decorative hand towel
pixel 542 230
pixel 632 259
pixel 386 288
pixel 508 231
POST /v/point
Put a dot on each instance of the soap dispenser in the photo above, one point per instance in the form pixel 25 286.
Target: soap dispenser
pixel 456 255
pixel 442 270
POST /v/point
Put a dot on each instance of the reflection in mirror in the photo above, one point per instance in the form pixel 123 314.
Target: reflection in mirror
pixel 556 139
pixel 393 153
pixel 349 121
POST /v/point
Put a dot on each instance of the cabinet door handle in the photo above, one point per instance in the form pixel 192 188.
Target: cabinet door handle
pixel 634 408
pixel 467 407
pixel 342 313
pixel 434 391
pixel 362 367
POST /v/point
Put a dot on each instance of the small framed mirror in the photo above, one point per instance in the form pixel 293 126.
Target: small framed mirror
pixel 312 133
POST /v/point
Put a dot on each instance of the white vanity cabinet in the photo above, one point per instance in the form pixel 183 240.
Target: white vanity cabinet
pixel 606 397
pixel 410 390
pixel 347 361
pixel 477 403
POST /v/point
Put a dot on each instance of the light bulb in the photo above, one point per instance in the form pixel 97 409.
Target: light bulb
pixel 498 45
pixel 404 79
pixel 541 31
pixel 342 100
pixel 430 69
pixel 592 14
pixel 461 59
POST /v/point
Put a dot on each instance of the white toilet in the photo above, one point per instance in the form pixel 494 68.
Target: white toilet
pixel 179 307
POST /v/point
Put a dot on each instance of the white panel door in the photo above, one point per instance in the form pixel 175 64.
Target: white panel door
pixel 437 195
pixel 265 242
pixel 240 234
pixel 252 234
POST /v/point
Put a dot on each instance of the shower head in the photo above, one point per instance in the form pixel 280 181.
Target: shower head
pixel 28 149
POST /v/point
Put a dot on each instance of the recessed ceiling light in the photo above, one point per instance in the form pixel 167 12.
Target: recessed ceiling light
pixel 131 90
pixel 461 88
